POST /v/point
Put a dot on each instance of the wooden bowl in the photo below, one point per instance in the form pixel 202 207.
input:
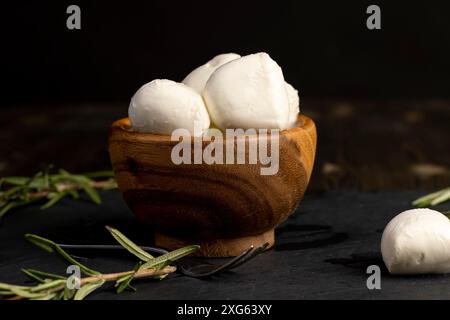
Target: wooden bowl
pixel 224 208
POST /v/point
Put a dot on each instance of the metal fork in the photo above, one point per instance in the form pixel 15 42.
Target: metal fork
pixel 199 270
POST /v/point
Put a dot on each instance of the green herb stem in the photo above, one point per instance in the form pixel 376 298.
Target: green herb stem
pixel 22 191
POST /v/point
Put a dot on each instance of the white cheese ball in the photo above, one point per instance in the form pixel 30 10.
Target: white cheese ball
pixel 248 92
pixel 197 79
pixel 162 106
pixel 417 242
pixel 294 104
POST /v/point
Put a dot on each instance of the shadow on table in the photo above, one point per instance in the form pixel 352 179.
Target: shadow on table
pixel 298 237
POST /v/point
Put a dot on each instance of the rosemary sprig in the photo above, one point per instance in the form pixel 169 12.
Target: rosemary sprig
pixel 21 191
pixel 149 262
pixel 54 287
pixel 433 199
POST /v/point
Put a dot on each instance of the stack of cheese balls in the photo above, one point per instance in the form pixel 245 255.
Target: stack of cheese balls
pixel 228 92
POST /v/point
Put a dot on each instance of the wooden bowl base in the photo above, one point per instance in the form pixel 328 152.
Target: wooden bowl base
pixel 218 248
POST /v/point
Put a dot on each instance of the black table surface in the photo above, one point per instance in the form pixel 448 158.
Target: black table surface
pixel 321 252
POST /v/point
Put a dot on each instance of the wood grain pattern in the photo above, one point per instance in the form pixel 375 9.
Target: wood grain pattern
pixel 215 205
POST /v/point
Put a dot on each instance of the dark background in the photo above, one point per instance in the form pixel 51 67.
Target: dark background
pixel 324 48
pixel 380 98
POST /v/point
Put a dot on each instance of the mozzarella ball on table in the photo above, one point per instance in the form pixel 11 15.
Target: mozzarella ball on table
pixel 162 106
pixel 417 242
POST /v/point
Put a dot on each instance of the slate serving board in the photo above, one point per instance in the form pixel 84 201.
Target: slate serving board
pixel 322 251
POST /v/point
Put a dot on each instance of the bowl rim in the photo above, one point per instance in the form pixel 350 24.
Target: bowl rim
pixel 123 126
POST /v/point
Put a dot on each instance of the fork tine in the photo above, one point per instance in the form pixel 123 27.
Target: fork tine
pixel 218 269
pixel 106 247
pixel 233 261
pixel 237 260
pixel 250 254
pixel 249 257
